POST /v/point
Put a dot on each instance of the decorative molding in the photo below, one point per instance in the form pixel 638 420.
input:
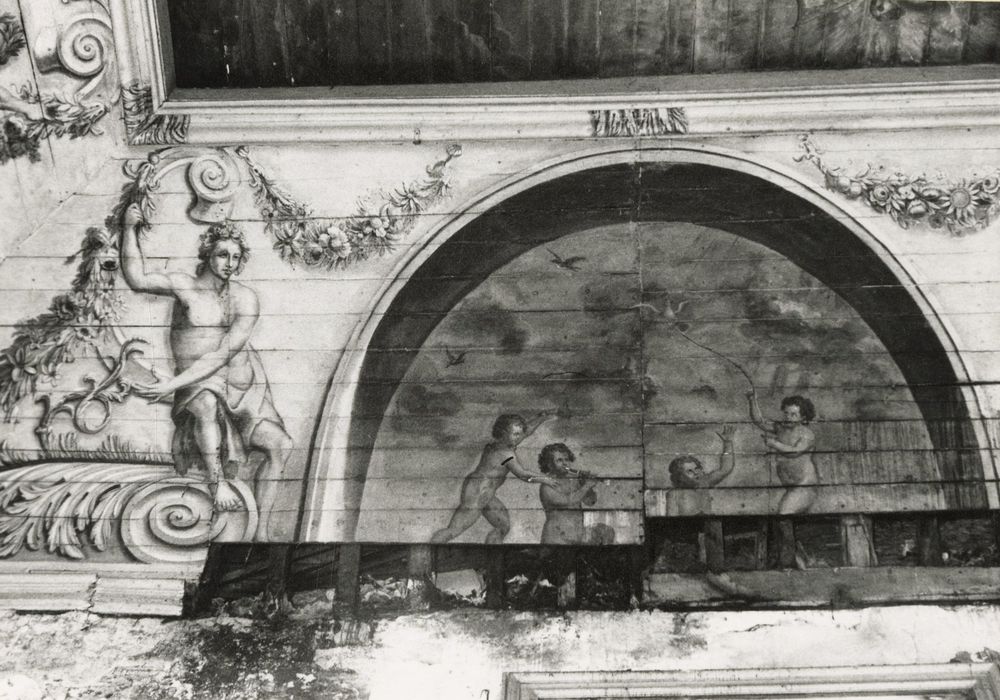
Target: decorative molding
pixel 158 516
pixel 960 206
pixel 879 99
pixel 382 218
pixel 81 47
pixel 660 121
pixel 143 125
pixel 953 681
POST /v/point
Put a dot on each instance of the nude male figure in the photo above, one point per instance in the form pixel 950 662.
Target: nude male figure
pixel 478 497
pixel 222 406
pixel 564 502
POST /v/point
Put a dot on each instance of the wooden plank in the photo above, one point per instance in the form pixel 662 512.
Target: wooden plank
pixel 348 571
pixel 913 30
pixel 982 40
pixel 652 36
pixel 777 49
pixel 306 35
pixel 261 33
pixel 829 498
pixel 928 540
pixel 743 34
pixel 678 30
pixel 616 38
pixel 842 45
pixel 548 42
pixel 949 25
pixel 857 543
pixel 411 52
pixel 711 24
pixel 880 42
pixel 810 33
pixel 196 32
pixel 838 587
pixel 506 28
pixel 496 579
pixel 343 52
pixel 713 545
pixel 374 42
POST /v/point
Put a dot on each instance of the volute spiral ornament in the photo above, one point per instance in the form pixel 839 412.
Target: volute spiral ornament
pixel 215 179
pixel 173 520
pixel 81 48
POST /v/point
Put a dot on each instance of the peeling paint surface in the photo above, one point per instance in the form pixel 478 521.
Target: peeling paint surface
pixel 456 654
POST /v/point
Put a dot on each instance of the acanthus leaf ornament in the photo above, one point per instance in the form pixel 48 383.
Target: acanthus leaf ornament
pixel 961 206
pixel 143 125
pixel 661 121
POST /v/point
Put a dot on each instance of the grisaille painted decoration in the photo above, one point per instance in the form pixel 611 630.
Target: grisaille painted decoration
pixel 637 382
pixel 381 220
pixel 143 126
pixel 229 449
pixel 79 44
pixel 639 122
pixel 960 206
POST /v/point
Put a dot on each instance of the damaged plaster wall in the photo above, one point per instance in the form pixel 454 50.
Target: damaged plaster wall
pixel 454 655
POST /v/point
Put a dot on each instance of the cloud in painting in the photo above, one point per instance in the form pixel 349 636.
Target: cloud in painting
pixel 419 400
pixel 492 321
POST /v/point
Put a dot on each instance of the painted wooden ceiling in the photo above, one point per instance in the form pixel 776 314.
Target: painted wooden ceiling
pixel 268 43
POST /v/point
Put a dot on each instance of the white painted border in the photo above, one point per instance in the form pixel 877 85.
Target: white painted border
pixel 917 682
pixel 325 501
pixel 747 103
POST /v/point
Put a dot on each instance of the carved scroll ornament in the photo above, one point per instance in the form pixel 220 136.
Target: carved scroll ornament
pixel 79 46
pixel 156 515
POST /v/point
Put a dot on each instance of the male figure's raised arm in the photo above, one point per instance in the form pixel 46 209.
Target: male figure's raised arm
pixel 134 263
pixel 727 458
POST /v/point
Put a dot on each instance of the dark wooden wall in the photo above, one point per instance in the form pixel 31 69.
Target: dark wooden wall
pixel 266 43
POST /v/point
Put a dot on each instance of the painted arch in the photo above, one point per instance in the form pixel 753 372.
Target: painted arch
pixel 721 191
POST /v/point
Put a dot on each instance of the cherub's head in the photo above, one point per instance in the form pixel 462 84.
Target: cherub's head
pixel 556 458
pixel 798 409
pixel 685 471
pixel 510 428
pixel 223 249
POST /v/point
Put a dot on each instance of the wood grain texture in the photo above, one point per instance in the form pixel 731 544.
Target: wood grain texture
pixel 349 42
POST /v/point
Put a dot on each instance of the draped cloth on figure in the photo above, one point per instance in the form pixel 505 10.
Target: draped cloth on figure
pixel 244 402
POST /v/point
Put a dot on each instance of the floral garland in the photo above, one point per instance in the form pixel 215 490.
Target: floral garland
pixel 85 316
pixel 21 135
pixel 11 37
pixel 374 230
pixel 963 206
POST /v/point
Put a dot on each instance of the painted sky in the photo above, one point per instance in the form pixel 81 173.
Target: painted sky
pixel 602 341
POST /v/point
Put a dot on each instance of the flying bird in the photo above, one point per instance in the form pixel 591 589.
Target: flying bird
pixel 570 264
pixel 454 358
pixel 669 311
